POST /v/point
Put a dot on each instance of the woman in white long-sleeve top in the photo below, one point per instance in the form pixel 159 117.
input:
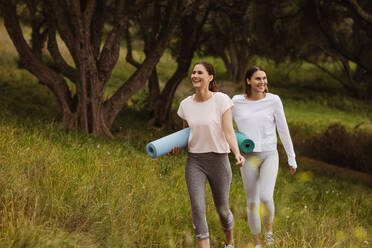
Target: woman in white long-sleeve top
pixel 258 114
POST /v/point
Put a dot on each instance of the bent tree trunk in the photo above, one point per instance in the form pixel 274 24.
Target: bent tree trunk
pixel 191 28
pixel 163 103
pixel 85 109
pixel 236 63
pixel 80 26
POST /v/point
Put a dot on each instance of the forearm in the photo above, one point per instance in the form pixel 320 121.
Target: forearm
pixel 231 140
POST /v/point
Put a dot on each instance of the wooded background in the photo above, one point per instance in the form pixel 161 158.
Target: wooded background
pixel 334 35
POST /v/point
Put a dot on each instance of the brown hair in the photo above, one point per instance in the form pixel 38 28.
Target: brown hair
pixel 249 74
pixel 209 68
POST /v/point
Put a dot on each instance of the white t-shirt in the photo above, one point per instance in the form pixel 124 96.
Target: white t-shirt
pixel 258 120
pixel 205 122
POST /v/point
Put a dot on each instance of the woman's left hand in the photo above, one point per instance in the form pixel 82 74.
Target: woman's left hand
pixel 292 170
pixel 240 160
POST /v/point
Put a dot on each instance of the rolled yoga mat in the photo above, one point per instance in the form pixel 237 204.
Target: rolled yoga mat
pixel 164 145
pixel 245 145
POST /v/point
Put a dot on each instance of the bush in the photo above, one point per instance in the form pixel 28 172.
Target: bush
pixel 337 145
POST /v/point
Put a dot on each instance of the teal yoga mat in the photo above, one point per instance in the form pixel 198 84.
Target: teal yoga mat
pixel 164 145
pixel 245 145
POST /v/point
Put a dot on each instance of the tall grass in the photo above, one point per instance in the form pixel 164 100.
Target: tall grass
pixel 67 189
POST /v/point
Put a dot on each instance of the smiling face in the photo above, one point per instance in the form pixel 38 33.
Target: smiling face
pixel 200 77
pixel 258 82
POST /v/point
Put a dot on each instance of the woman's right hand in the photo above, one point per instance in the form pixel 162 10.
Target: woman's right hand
pixel 240 160
pixel 174 151
pixel 292 170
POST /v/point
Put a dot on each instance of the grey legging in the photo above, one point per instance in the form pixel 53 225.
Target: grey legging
pixel 214 167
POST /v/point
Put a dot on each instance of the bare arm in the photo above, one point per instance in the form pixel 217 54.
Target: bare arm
pixel 228 130
pixel 177 149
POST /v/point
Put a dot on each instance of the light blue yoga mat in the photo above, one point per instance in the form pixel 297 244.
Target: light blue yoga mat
pixel 164 145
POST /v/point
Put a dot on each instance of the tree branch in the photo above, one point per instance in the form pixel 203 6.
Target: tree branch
pixel 98 22
pixel 46 76
pixel 139 78
pixel 333 43
pixel 110 51
pixel 62 66
pixel 74 9
pixel 363 14
pixel 88 13
pixel 129 58
pixel 328 72
pixel 63 25
pixel 38 37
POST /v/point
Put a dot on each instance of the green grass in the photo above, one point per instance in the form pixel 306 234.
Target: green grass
pixel 319 116
pixel 68 189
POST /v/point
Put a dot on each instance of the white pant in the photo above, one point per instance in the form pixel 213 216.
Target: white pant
pixel 259 175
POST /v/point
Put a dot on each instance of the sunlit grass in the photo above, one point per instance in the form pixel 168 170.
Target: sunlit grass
pixel 316 115
pixel 62 189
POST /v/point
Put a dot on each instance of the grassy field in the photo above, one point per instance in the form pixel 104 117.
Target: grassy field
pixel 67 189
pixel 63 188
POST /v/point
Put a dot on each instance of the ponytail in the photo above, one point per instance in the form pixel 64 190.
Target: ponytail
pixel 213 86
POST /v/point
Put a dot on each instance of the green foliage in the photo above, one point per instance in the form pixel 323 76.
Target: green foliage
pixel 140 100
pixel 311 97
pixel 319 32
pixel 339 146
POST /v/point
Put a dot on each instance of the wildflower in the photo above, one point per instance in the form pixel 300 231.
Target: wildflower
pixel 360 233
pixel 340 236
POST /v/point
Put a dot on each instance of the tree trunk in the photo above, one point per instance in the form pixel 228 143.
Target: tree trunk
pixel 154 90
pixel 191 27
pixel 138 79
pixel 85 110
pixel 229 67
pixel 80 26
pixel 163 104
pixel 242 67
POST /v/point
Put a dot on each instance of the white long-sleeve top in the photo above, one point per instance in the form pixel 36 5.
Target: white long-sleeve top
pixel 259 119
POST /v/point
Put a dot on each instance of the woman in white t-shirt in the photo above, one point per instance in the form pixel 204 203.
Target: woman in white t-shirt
pixel 258 114
pixel 208 113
